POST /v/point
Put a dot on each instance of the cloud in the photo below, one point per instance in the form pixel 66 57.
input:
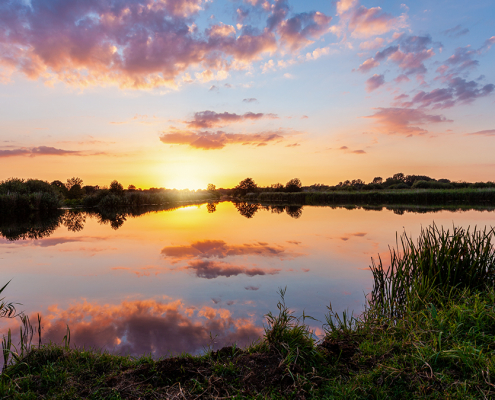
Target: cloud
pixel 347 150
pixel 293 145
pixel 142 44
pixel 458 91
pixel 463 58
pixel 456 31
pixel 488 132
pixel 368 65
pixel 367 22
pixel 251 287
pixel 38 151
pixel 297 32
pixel 209 119
pixel 374 82
pixel 220 249
pixel 215 269
pixel 250 100
pixel 372 44
pixel 147 327
pixel 403 120
pixel 218 140
pixel 409 53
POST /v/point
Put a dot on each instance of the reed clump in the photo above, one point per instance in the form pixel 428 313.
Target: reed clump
pixel 441 264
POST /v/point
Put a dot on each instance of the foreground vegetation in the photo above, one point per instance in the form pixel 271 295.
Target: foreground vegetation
pixel 427 332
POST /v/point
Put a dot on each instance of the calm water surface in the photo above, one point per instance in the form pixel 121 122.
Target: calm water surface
pixel 181 280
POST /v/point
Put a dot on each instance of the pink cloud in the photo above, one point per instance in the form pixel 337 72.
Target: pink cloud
pixel 218 140
pixel 297 32
pixel 366 22
pixel 374 82
pixel 142 44
pixel 488 132
pixel 209 119
pixel 404 121
pixel 38 151
pixel 368 65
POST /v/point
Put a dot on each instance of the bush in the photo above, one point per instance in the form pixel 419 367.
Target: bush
pixel 431 185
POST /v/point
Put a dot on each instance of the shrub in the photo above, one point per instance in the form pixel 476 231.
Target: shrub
pixel 431 185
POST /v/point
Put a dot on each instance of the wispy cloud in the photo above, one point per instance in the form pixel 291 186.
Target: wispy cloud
pixel 487 132
pixel 404 121
pixel 210 119
pixel 38 151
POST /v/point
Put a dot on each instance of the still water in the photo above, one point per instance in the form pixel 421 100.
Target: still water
pixel 180 280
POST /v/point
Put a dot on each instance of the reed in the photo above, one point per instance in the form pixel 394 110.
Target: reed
pixel 439 265
pixel 472 196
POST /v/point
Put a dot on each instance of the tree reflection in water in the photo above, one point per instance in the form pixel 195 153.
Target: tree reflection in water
pixel 211 207
pixel 294 211
pixel 74 220
pixel 33 226
pixel 247 209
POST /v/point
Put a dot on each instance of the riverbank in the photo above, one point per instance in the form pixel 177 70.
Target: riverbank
pixel 485 196
pixel 444 352
pixel 427 332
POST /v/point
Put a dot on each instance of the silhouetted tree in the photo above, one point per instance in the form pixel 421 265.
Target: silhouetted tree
pixel 246 186
pixel 378 180
pixel 211 187
pixel 410 179
pixel 294 185
pixel 277 187
pixel 131 188
pixel 116 187
pixel 399 177
pixel 60 187
pixel 90 189
pixel 73 181
pixel 75 192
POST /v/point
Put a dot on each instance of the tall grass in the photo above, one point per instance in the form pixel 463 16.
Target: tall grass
pixel 409 196
pixel 439 265
pixel 104 199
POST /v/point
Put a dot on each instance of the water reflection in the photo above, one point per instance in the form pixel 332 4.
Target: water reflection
pixel 32 226
pixel 198 269
pixel 74 220
pixel 220 249
pixel 154 327
pixel 41 225
pixel 247 209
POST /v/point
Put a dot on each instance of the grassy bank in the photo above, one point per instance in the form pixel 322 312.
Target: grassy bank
pixel 107 200
pixel 410 196
pixel 427 332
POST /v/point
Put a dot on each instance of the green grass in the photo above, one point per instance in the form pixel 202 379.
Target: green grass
pixel 428 332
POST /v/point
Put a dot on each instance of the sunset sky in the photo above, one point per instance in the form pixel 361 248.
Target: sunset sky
pixel 182 93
